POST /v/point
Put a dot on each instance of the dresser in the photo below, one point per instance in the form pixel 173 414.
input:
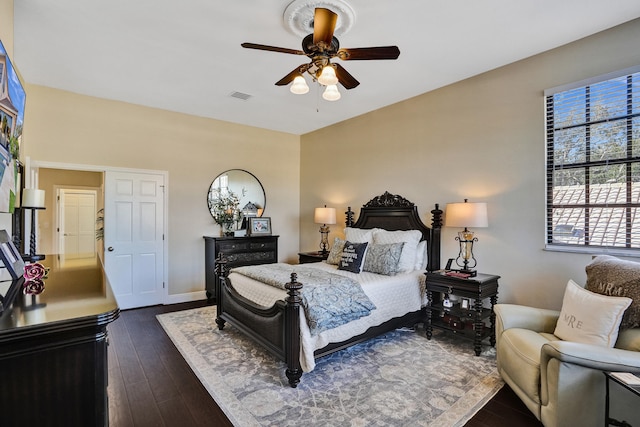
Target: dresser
pixel 238 251
pixel 53 347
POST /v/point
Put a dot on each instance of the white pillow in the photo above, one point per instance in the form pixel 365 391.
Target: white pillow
pixel 358 235
pixel 411 238
pixel 421 256
pixel 590 318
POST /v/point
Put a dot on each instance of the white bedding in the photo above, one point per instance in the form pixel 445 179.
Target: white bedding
pixel 393 296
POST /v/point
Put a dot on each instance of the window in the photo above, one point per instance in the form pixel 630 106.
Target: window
pixel 593 163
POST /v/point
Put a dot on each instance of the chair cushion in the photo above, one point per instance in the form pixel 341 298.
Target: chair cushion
pixel 609 275
pixel 590 318
pixel 519 358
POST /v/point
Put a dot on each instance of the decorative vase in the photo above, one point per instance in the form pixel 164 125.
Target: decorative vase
pixel 227 229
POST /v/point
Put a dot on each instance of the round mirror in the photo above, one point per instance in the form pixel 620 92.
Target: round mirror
pixel 234 196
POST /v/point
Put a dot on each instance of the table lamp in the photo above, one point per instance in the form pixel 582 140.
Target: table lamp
pixel 324 216
pixel 33 199
pixel 466 215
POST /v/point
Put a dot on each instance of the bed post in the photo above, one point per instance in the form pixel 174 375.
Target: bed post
pixel 436 229
pixel 349 215
pixel 221 276
pixel 292 330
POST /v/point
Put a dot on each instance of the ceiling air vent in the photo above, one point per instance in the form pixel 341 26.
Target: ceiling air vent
pixel 240 95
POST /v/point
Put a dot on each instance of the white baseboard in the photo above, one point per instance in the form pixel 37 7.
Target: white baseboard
pixel 186 297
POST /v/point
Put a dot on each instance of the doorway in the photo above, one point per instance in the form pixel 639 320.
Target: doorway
pixel 76 222
pixel 86 199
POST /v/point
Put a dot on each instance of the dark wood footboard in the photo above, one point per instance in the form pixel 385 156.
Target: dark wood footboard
pixel 276 328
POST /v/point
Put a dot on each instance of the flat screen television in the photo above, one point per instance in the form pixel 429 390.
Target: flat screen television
pixel 12 103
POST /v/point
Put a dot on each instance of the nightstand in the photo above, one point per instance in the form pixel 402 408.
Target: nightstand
pixel 464 319
pixel 307 257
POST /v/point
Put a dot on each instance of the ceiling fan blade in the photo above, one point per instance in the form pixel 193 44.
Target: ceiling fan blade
pixel 272 48
pixel 362 53
pixel 324 22
pixel 292 75
pixel 345 79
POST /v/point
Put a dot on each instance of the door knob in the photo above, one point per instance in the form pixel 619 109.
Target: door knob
pixel 110 248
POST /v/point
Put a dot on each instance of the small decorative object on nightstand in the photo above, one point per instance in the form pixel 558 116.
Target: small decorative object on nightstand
pixel 308 257
pixel 466 319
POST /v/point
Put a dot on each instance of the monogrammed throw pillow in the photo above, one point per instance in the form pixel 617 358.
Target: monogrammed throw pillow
pixel 590 318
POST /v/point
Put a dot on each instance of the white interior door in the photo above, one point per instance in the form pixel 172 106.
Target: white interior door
pixel 134 237
pixel 76 223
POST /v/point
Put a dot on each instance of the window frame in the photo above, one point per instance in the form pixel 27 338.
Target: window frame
pixel 550 168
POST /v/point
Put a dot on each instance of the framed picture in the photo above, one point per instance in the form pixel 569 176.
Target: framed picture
pixel 464 303
pixel 10 255
pixel 12 117
pixel 259 226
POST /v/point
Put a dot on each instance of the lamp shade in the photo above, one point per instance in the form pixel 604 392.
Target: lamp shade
pixel 325 216
pixel 299 86
pixel 331 93
pixel 32 198
pixel 466 215
pixel 328 76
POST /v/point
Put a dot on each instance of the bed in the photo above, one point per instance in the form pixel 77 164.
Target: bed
pixel 275 318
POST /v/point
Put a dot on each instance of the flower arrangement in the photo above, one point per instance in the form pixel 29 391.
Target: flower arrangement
pixel 34 275
pixel 225 207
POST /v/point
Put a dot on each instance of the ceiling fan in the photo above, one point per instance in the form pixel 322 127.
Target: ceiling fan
pixel 321 46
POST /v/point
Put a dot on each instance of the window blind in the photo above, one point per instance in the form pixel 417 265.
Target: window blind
pixel 593 163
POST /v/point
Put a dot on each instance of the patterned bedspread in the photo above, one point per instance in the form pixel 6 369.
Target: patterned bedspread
pixel 329 300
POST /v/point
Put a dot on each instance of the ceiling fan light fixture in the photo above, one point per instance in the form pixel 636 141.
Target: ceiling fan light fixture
pixel 299 86
pixel 328 76
pixel 331 93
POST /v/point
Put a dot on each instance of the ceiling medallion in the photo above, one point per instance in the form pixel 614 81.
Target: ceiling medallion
pixel 298 16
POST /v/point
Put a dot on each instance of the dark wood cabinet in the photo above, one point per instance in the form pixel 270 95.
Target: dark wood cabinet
pixel 307 257
pixel 466 320
pixel 238 251
pixel 53 349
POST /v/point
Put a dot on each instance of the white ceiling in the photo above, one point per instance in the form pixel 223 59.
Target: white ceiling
pixel 185 55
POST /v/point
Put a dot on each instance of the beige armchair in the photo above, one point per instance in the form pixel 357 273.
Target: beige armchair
pixel 561 382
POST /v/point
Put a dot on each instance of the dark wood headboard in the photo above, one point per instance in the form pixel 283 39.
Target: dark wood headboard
pixel 393 212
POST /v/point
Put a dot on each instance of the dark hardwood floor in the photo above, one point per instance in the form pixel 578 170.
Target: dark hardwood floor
pixel 150 384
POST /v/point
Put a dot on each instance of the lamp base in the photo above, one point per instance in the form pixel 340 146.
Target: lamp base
pixel 32 258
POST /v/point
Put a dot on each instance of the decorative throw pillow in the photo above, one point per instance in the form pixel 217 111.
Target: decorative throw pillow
pixel 358 235
pixel 336 251
pixel 612 276
pixel 352 256
pixel 590 318
pixel 411 238
pixel 383 259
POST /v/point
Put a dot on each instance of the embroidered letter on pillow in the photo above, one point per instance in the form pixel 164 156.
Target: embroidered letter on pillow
pixel 590 318
pixel 352 257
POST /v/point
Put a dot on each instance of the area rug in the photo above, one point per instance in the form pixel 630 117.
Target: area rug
pixel 397 379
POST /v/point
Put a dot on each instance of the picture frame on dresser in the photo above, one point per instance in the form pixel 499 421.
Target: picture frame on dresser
pixel 259 226
pixel 10 256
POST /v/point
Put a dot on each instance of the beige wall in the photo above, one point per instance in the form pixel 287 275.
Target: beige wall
pixel 73 129
pixel 481 139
